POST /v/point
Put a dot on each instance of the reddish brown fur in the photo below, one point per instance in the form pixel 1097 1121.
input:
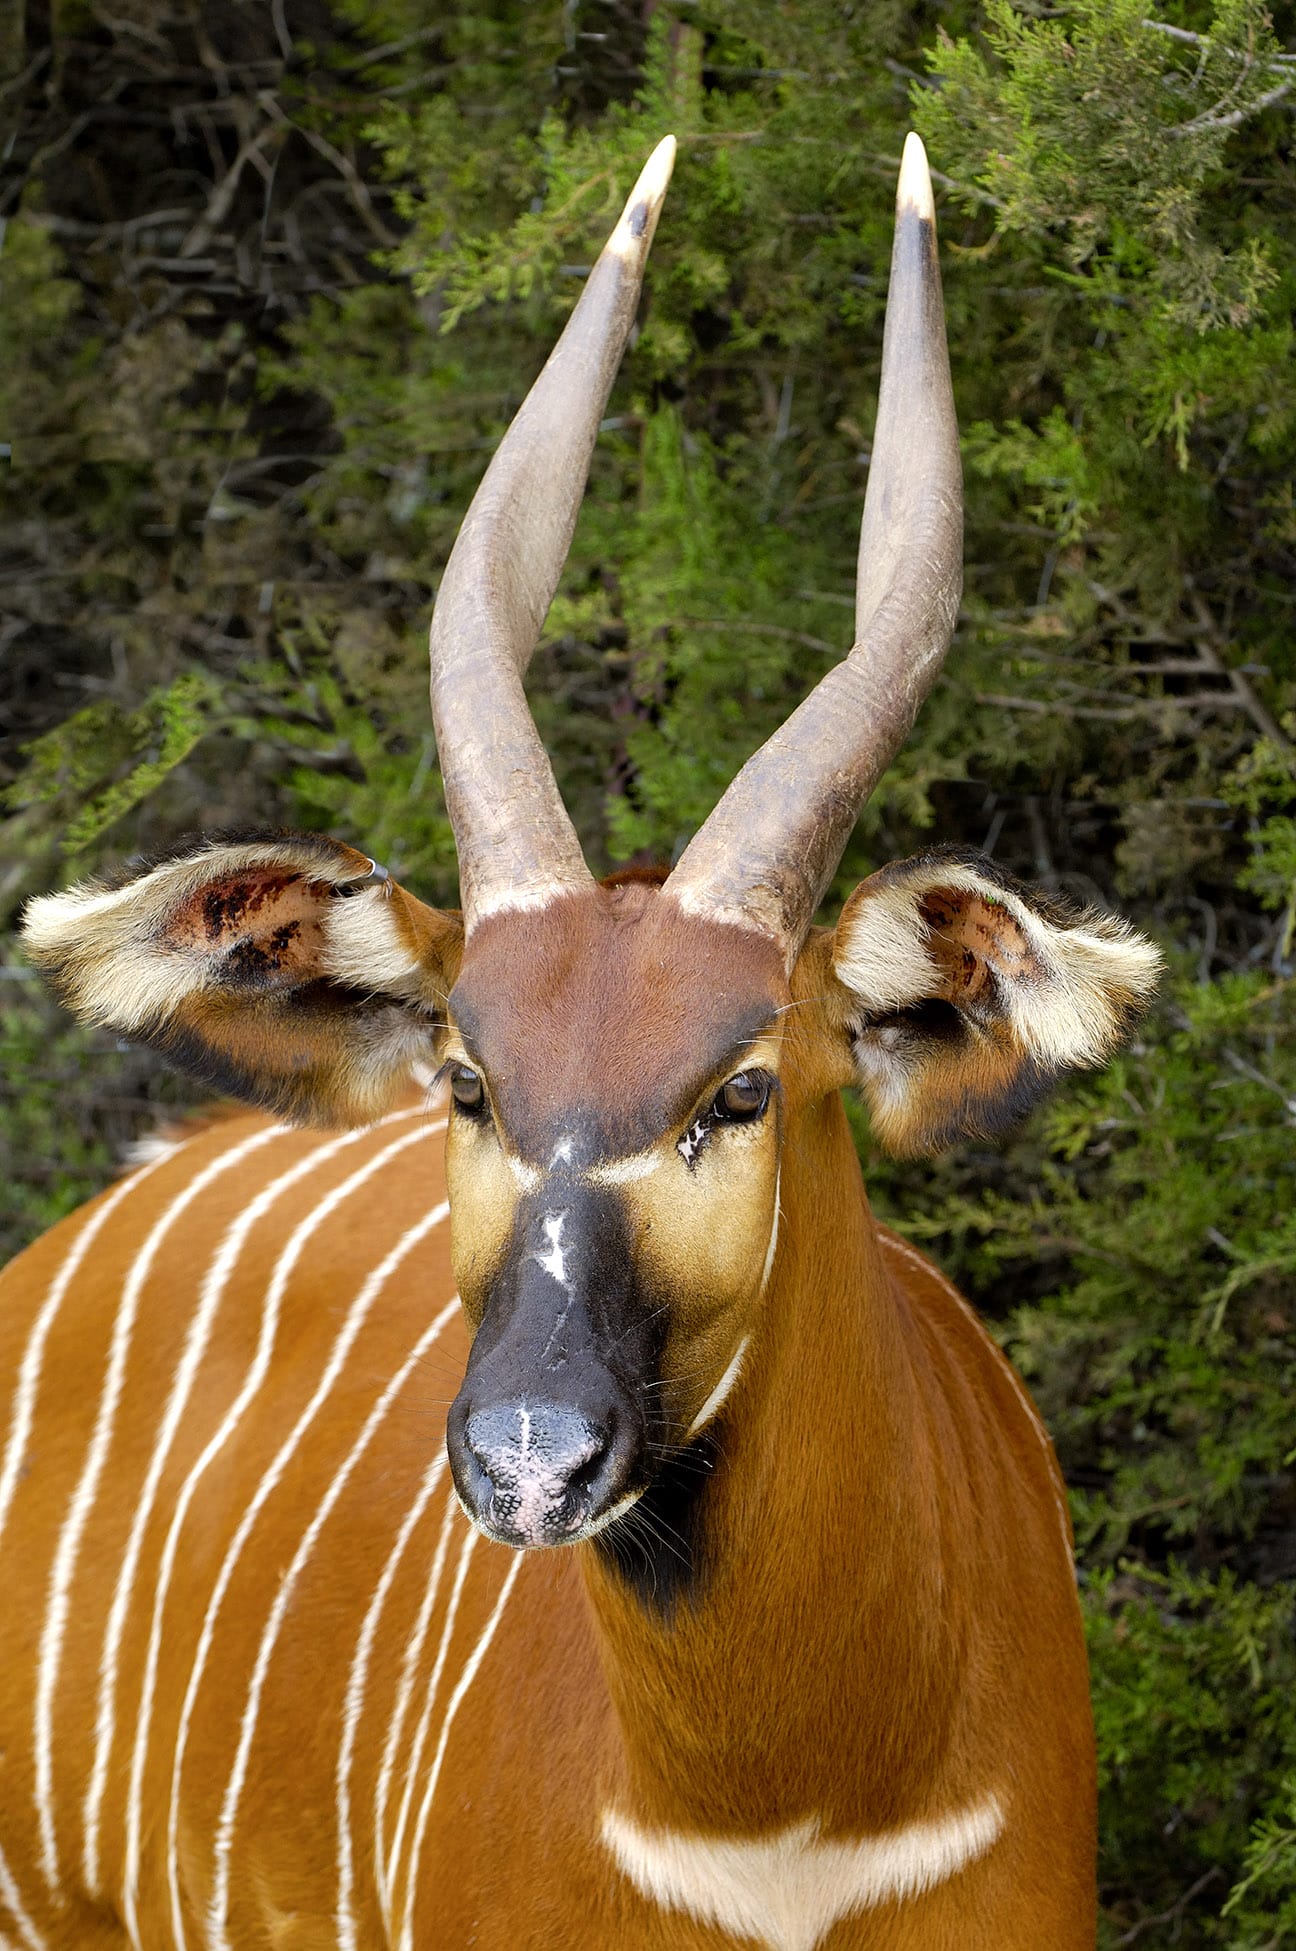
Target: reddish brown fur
pixel 887 1630
pixel 674 999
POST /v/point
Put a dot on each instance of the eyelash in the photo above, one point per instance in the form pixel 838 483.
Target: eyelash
pixel 716 1114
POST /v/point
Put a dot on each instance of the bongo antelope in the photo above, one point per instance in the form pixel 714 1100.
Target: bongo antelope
pixel 288 1656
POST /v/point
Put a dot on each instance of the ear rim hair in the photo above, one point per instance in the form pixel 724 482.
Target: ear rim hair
pixel 1083 979
pixel 328 1035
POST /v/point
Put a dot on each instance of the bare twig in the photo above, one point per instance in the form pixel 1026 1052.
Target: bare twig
pixel 1248 1070
pixel 345 168
pixel 1191 39
pixel 384 53
pixel 1134 708
pixel 282 35
pixel 1235 117
pixel 29 73
pixel 106 233
pixel 1207 650
pixel 222 196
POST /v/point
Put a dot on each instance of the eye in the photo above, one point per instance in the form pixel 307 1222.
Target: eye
pixel 743 1098
pixel 466 1088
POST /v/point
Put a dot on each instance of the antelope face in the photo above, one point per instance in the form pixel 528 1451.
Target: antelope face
pixel 613 1164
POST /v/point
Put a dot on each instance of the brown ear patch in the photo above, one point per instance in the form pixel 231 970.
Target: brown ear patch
pixel 263 930
pixel 974 939
pixel 967 993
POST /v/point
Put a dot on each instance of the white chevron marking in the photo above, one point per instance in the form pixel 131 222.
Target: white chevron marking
pixel 787 1891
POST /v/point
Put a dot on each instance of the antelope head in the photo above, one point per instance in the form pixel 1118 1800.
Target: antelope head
pixel 629 1062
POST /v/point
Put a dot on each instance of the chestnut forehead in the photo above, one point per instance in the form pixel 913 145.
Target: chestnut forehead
pixel 602 1014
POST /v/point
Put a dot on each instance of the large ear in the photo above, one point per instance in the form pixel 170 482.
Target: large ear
pixel 283 968
pixel 965 994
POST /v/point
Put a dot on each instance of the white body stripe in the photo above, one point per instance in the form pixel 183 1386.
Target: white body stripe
pixel 425 1719
pixel 210 1296
pixel 29 1374
pixel 13 1903
pixel 69 1544
pixel 235 1550
pixel 787 1891
pixel 396 1725
pixel 219 1273
pixel 353 1707
pixel 218 1908
pixel 466 1679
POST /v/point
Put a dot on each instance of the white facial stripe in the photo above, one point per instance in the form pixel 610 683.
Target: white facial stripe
pixel 527 1176
pixel 619 1509
pixel 788 1890
pixel 610 1172
pixel 718 1395
pixel 624 1171
pixel 772 1248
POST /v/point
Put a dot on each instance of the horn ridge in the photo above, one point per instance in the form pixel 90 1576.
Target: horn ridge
pixel 517 846
pixel 768 851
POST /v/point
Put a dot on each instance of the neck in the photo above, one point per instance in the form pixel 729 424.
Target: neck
pixel 810 1664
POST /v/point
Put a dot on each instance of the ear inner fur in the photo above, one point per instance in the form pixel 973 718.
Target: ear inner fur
pixel 966 993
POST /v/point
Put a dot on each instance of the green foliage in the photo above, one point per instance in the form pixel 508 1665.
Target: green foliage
pixel 1192 1683
pixel 352 772
pixel 1263 1901
pixel 68 766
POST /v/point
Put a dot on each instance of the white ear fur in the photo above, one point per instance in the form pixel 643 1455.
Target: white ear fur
pixel 1066 1003
pixel 106 947
pixel 365 949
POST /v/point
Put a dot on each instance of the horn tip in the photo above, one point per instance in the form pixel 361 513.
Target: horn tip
pixel 914 191
pixel 639 220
